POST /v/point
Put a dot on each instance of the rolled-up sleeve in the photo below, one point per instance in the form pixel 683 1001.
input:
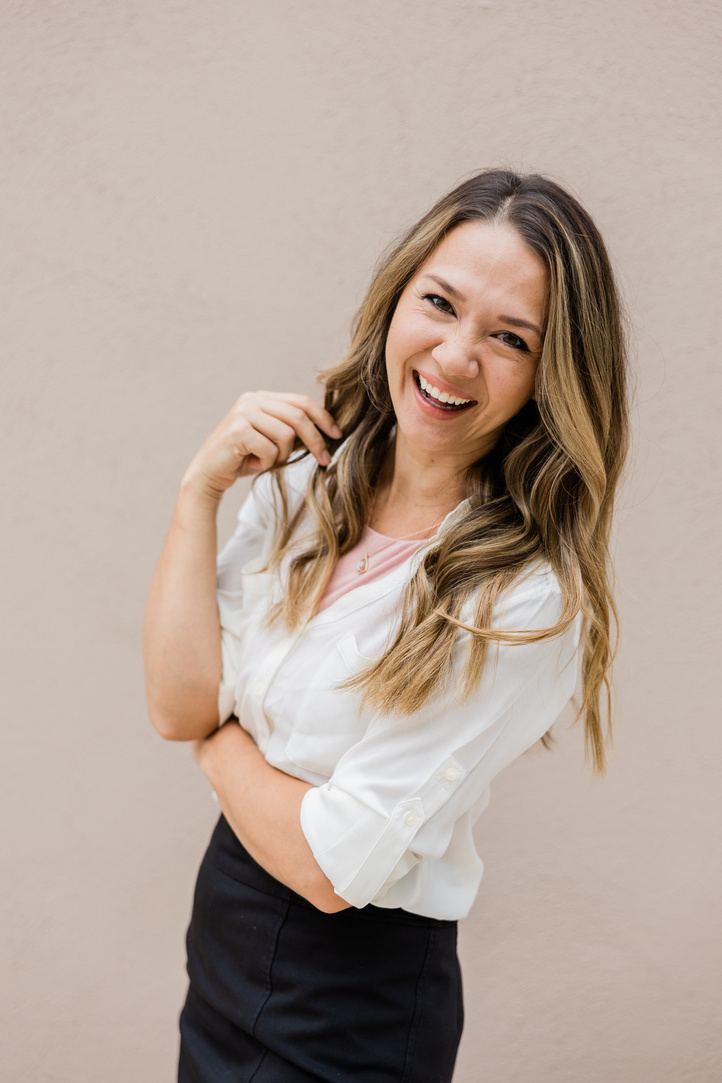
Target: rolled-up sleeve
pixel 394 798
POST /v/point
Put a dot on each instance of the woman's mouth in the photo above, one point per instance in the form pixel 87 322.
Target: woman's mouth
pixel 440 399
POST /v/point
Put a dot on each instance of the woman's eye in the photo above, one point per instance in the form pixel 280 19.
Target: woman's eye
pixel 439 302
pixel 513 340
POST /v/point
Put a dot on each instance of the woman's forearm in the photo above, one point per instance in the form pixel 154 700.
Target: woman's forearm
pixel 263 807
pixel 181 629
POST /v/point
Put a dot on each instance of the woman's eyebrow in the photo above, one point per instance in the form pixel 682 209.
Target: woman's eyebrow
pixel 513 320
pixel 446 286
pixel 521 323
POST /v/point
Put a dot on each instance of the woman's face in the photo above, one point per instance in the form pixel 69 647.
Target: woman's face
pixel 468 326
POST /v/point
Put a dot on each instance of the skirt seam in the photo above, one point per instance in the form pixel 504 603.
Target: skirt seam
pixel 414 1029
pixel 258 1067
pixel 271 961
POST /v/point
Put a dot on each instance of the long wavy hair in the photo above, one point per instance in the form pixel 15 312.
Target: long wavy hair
pixel 545 491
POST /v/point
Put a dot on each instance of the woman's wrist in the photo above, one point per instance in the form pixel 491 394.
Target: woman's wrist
pixel 228 745
pixel 196 488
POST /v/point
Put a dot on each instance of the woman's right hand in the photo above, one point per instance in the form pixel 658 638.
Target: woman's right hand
pixel 257 433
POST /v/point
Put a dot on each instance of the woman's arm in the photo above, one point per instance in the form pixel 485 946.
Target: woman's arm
pixel 263 807
pixel 181 630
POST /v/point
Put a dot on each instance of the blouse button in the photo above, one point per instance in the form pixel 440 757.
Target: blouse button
pixel 451 774
pixel 410 819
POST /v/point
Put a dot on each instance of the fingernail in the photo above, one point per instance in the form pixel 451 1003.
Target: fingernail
pixel 335 431
pixel 324 458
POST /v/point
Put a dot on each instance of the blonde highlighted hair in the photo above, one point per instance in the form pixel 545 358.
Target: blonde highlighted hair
pixel 546 491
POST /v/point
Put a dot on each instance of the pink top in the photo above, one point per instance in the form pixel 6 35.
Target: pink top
pixel 391 553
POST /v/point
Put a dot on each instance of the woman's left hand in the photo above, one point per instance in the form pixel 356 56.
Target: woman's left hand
pixel 210 751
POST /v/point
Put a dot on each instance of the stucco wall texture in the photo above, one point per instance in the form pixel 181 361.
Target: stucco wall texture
pixel 193 195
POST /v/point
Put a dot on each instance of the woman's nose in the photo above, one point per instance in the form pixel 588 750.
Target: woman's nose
pixel 455 355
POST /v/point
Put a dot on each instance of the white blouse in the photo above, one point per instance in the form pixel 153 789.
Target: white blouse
pixel 389 818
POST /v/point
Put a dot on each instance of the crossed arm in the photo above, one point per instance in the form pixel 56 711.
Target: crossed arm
pixel 263 807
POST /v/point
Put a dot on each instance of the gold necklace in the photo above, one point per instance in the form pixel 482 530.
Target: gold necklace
pixel 363 564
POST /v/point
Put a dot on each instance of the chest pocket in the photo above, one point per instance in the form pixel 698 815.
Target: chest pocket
pixel 325 721
pixel 258 591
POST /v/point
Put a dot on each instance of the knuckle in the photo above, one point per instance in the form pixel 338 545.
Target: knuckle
pixel 240 438
pixel 242 408
pixel 240 424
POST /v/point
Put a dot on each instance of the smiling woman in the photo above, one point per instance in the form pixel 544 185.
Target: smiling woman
pixel 399 615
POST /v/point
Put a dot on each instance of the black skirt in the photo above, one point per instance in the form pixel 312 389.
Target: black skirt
pixel 283 993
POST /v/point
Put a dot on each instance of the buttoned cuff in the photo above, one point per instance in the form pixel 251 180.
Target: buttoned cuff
pixel 355 847
pixel 359 848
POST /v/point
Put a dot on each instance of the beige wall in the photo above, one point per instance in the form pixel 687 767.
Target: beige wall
pixel 192 197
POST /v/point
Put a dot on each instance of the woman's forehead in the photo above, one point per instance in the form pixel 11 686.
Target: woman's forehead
pixel 482 258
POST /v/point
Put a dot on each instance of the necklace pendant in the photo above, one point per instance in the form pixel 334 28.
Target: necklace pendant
pixel 362 565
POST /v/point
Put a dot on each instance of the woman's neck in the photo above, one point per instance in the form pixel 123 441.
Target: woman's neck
pixel 416 490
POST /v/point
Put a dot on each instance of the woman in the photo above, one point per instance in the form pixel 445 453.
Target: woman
pixel 398 616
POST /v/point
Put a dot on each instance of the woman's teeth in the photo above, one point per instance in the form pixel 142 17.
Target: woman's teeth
pixel 439 397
